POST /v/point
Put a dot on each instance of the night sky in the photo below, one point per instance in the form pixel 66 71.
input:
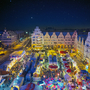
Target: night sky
pixel 27 14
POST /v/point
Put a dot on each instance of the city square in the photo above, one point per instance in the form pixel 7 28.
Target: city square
pixel 44 44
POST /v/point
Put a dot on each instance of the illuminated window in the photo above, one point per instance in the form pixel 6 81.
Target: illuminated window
pixel 61 39
pixel 33 39
pixel 68 42
pixel 8 36
pixel 36 36
pixel 33 36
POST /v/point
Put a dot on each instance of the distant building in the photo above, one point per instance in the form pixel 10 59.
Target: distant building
pixel 1 32
pixel 61 40
pixel 20 34
pixel 8 37
pixel 82 45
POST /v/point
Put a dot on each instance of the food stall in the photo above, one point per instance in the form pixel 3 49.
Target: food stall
pixel 17 83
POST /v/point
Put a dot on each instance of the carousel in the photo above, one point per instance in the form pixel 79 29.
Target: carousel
pixel 53 67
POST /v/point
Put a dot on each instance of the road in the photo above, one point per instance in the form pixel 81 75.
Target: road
pixel 9 51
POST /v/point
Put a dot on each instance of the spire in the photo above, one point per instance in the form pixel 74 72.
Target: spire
pixel 5 29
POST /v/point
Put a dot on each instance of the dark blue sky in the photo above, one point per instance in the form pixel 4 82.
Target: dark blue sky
pixel 27 14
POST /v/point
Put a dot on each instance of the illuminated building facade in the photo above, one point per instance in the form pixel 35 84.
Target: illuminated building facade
pixel 87 47
pixel 59 39
pixel 37 38
pixel 54 39
pixel 47 39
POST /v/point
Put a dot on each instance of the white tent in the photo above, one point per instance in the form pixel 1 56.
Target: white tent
pixel 66 76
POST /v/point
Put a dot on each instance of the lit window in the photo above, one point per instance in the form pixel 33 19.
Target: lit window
pixel 7 36
pixel 33 36
pixel 36 36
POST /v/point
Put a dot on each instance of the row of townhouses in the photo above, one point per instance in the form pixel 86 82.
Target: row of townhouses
pixel 64 39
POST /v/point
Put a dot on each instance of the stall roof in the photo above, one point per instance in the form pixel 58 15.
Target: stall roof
pixel 17 53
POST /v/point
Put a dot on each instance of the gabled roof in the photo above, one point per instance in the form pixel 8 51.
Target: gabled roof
pixel 57 33
pixel 11 33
